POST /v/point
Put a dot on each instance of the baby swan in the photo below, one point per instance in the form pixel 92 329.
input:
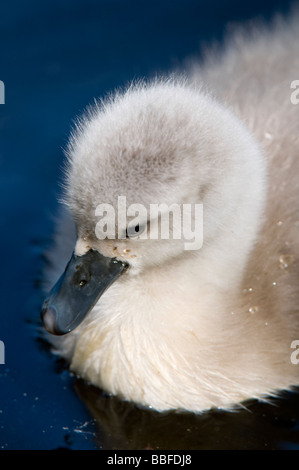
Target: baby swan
pixel 162 322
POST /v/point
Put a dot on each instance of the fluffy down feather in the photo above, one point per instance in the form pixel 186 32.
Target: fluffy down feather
pixel 213 327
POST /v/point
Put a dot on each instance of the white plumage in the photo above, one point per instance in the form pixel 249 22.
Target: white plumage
pixel 212 327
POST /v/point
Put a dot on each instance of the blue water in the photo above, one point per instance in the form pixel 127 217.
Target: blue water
pixel 55 57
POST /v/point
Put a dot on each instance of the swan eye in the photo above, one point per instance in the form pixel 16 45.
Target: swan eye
pixel 134 231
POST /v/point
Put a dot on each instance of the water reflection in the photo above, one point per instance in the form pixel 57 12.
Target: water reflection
pixel 123 425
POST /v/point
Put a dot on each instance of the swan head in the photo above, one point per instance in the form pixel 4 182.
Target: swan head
pixel 156 152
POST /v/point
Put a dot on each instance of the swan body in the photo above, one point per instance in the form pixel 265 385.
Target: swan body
pixel 211 327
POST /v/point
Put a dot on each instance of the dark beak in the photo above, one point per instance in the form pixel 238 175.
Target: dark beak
pixel 83 282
